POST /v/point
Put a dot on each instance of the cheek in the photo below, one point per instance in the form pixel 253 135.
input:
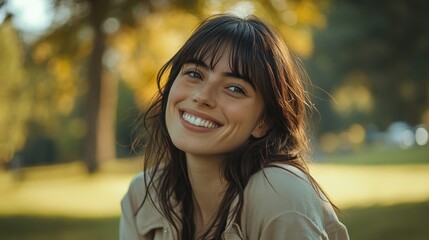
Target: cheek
pixel 174 95
pixel 172 98
pixel 178 91
pixel 177 94
pixel 247 115
pixel 252 108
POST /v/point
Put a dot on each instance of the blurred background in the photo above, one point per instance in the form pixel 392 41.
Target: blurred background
pixel 74 75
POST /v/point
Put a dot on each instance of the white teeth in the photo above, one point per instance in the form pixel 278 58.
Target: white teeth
pixel 198 121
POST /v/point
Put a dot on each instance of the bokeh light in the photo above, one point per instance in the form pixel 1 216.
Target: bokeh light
pixel 422 136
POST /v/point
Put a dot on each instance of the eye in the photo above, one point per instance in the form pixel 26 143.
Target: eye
pixel 236 89
pixel 193 74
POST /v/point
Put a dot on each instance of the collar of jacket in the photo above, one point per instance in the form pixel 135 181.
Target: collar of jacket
pixel 150 219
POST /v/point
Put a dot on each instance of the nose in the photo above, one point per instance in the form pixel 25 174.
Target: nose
pixel 205 96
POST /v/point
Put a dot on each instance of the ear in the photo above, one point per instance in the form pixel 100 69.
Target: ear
pixel 262 128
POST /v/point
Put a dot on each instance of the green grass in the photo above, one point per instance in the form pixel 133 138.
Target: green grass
pixel 58 228
pixel 404 221
pixel 401 221
pixel 379 155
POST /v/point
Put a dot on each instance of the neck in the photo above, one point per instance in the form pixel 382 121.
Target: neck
pixel 208 188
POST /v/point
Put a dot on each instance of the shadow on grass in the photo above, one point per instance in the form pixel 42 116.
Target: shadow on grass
pixel 404 221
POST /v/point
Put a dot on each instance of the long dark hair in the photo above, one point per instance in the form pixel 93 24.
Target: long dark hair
pixel 261 57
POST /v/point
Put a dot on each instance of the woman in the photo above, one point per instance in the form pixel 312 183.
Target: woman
pixel 226 144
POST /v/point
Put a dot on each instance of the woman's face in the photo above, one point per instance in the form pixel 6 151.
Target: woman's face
pixel 211 112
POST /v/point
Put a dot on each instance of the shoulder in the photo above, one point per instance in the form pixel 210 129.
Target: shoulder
pixel 137 187
pixel 137 191
pixel 280 201
pixel 140 207
pixel 142 191
pixel 280 193
pixel 282 186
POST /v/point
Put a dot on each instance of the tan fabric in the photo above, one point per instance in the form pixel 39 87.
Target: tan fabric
pixel 280 205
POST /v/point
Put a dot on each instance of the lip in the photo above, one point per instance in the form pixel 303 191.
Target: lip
pixel 200 115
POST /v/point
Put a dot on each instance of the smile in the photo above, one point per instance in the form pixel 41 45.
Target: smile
pixel 198 121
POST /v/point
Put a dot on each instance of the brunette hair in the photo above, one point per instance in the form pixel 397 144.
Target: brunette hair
pixel 259 55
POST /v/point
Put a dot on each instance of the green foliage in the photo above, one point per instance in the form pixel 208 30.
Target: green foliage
pixel 135 39
pixel 15 94
pixel 126 113
pixel 372 58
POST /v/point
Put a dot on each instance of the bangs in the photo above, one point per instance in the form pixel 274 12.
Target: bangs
pixel 234 37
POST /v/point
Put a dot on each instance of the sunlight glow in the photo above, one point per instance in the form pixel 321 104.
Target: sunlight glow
pixel 422 136
pixel 289 17
pixel 31 16
pixel 242 9
pixel 351 186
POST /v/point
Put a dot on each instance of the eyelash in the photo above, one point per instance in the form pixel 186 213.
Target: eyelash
pixel 193 74
pixel 240 90
pixel 196 75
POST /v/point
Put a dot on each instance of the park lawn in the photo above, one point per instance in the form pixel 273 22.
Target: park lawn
pixel 377 155
pixel 386 198
pixel 58 228
pixel 401 221
pixel 396 222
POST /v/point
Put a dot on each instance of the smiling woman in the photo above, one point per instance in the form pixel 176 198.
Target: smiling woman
pixel 225 144
pixel 215 96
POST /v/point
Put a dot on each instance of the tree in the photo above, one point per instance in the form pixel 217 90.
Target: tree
pixel 372 57
pixel 101 85
pixel 96 43
pixel 15 96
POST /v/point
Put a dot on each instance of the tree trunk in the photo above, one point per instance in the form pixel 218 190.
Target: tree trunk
pixel 100 137
pixel 106 134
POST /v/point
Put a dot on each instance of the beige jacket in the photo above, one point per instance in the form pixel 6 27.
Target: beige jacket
pixel 280 205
